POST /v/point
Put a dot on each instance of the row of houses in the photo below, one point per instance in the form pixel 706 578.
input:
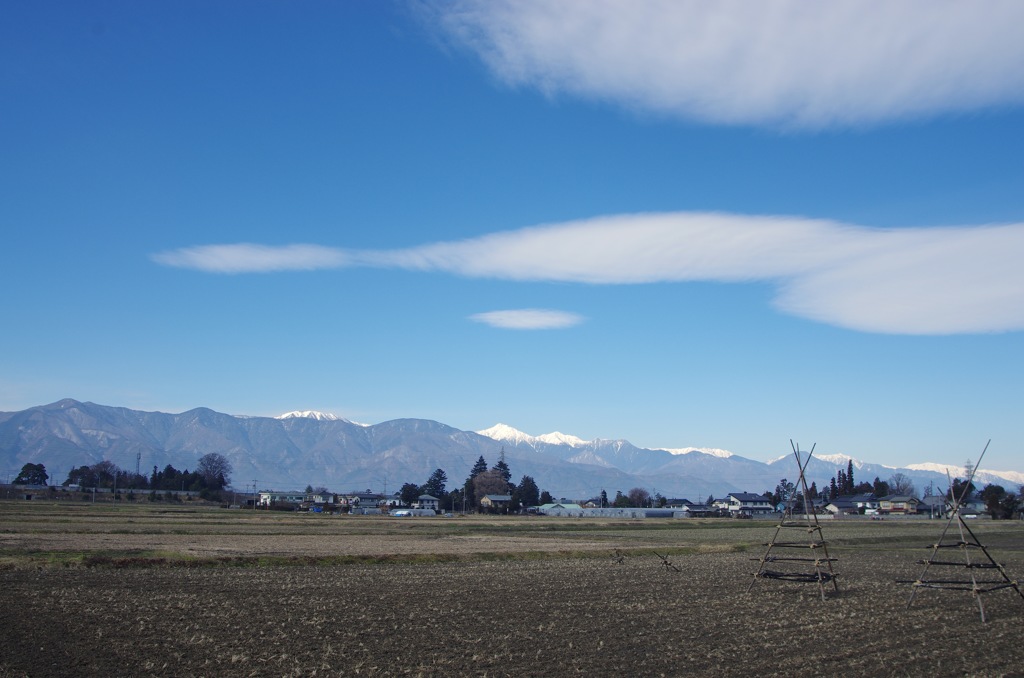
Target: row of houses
pixel 736 504
pixel 365 503
pixel 906 505
pixel 745 503
pixel 749 505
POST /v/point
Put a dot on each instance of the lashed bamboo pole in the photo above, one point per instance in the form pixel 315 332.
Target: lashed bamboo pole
pixel 823 571
pixel 968 541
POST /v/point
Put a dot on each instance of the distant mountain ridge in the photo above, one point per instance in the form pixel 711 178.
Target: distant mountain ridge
pixel 311 448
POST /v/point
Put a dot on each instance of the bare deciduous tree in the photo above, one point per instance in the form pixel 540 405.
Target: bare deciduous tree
pixel 215 469
pixel 489 482
pixel 900 484
pixel 639 497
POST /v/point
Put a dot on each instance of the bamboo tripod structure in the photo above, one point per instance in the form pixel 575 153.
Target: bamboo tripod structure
pixel 819 559
pixel 968 542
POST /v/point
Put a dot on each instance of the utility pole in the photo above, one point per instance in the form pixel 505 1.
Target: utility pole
pixel 253 494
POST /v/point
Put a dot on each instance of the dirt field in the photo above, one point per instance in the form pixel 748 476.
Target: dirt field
pixel 213 592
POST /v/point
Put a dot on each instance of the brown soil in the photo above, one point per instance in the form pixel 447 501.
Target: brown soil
pixel 593 614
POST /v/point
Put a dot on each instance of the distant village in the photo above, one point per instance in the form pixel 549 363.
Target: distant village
pixel 491 490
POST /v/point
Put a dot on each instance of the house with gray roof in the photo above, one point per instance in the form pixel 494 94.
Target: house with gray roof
pixel 746 504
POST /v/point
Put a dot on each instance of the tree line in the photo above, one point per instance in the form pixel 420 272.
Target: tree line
pixel 482 481
pixel 497 480
pixel 1000 503
pixel 843 484
pixel 212 474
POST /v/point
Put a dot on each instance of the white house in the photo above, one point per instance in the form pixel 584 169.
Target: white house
pixel 425 501
pixel 746 504
pixel 322 498
pixel 267 498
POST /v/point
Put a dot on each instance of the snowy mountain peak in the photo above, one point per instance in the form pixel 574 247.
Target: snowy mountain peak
pixel 506 433
pixel 309 414
pixel 954 471
pixel 980 476
pixel 839 459
pixel 714 452
pixel 557 438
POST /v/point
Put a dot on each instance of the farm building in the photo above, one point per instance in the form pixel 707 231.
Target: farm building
pixel 697 510
pixel 560 509
pixel 858 504
pixel 411 512
pixel 496 502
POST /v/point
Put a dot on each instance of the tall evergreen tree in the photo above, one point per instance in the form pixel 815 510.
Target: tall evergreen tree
pixel 410 493
pixel 32 474
pixel 527 493
pixel 479 467
pixel 849 477
pixel 435 484
pixel 468 489
pixel 880 487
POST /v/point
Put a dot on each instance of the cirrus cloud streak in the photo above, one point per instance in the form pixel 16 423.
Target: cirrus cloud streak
pixel 778 62
pixel 528 319
pixel 941 280
pixel 253 258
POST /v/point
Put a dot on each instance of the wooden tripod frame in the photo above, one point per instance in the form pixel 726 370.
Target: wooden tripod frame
pixel 967 544
pixel 816 568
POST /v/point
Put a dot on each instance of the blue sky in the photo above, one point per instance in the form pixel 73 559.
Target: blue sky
pixel 678 225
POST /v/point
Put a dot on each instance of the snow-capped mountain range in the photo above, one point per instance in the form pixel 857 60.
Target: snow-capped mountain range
pixel 822 467
pixel 308 414
pixel 506 433
pixel 306 447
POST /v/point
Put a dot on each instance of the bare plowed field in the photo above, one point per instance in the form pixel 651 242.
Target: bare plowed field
pixel 527 598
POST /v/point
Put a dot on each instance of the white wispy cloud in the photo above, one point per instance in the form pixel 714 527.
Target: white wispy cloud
pixel 253 258
pixel 942 280
pixel 528 319
pixel 780 62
